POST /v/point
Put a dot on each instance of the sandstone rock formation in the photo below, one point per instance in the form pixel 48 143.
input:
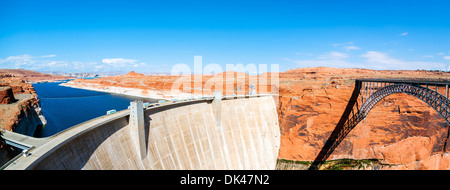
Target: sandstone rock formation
pixel 134 74
pixel 6 95
pixel 21 115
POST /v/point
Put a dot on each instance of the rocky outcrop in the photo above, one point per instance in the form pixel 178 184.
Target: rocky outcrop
pixel 24 114
pixel 29 118
pixel 134 74
pixel 6 95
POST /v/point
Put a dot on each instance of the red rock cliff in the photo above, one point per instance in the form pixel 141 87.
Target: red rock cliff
pixel 6 95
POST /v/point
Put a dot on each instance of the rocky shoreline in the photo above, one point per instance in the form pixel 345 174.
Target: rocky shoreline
pixel 123 91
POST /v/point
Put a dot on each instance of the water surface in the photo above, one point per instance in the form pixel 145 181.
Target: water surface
pixel 64 107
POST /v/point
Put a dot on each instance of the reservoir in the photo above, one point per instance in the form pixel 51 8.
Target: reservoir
pixel 64 107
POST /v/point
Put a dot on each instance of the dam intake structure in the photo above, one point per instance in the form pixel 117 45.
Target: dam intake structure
pixel 220 132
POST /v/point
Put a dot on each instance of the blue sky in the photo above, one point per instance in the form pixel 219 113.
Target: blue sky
pixel 152 36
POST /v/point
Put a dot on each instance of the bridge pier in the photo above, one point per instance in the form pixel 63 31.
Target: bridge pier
pixel 446 91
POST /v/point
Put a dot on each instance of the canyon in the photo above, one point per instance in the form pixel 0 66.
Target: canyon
pixel 401 131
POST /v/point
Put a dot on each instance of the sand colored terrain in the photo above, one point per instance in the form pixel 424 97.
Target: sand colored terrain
pixel 401 130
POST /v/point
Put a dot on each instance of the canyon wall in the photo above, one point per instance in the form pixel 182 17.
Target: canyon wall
pixel 400 130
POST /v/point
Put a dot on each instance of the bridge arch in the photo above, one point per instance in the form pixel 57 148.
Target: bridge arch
pixel 434 99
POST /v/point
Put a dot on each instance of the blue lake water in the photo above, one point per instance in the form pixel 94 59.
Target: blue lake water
pixel 64 107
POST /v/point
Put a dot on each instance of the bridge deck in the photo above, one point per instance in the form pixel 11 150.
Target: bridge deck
pixel 424 81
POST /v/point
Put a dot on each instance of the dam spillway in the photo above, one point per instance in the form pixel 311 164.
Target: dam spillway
pixel 216 133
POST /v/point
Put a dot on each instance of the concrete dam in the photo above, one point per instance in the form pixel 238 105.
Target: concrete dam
pixel 220 133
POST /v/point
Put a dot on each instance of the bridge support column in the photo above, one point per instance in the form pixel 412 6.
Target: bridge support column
pixel 137 126
pixel 446 90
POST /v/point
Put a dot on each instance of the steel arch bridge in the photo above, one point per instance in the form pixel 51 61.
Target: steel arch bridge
pixel 368 92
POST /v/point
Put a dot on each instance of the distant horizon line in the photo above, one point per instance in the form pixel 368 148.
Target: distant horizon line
pixel 168 72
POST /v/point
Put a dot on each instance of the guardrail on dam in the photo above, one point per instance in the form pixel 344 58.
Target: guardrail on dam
pixel 214 133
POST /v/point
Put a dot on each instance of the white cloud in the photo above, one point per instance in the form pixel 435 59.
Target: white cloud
pixel 17 62
pixel 348 48
pixel 24 57
pixel 47 63
pixel 299 53
pixel 328 59
pixel 378 57
pixel 48 56
pixel 404 34
pixel 122 63
pixel 140 64
pixel 113 61
pixel 382 61
pixel 26 60
pixel 447 57
pixel 324 63
pixel 428 56
pixel 41 63
pixel 343 44
pixel 333 55
pixel 369 60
